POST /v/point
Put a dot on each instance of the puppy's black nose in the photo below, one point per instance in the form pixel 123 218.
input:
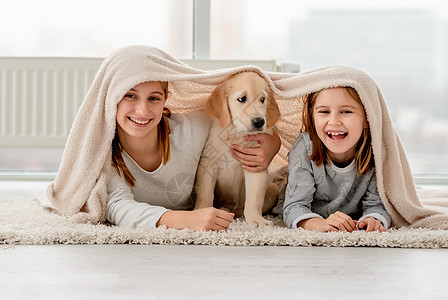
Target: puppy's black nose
pixel 258 122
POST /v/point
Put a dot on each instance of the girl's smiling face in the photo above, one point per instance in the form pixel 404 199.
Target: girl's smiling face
pixel 140 110
pixel 339 121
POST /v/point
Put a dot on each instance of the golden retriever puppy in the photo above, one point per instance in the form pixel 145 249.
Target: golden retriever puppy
pixel 242 104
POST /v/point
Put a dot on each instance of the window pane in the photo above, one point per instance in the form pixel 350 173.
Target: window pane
pixel 403 45
pixel 94 28
pixel 85 28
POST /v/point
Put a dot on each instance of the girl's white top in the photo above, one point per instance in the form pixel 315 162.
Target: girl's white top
pixel 170 186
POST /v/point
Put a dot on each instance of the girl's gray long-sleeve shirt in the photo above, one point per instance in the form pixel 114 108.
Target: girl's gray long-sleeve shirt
pixel 314 191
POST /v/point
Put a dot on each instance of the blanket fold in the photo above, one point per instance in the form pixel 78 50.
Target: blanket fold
pixel 79 190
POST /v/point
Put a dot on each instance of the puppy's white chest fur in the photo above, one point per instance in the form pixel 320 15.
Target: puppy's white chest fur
pixel 218 163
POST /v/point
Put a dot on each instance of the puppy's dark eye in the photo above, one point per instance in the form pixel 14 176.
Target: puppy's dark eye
pixel 242 99
pixel 262 99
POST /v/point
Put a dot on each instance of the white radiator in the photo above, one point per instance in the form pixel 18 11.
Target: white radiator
pixel 39 97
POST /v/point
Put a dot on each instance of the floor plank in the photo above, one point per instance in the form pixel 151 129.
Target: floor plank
pixel 217 272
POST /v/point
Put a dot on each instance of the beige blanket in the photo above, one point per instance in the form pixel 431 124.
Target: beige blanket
pixel 79 189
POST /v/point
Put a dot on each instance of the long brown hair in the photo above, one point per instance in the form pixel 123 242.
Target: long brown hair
pixel 163 130
pixel 363 152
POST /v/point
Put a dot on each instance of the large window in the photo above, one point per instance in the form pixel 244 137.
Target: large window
pixel 403 45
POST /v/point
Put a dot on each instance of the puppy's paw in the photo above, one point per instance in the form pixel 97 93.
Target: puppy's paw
pixel 259 221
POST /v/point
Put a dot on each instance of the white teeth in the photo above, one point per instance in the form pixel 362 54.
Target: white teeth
pixel 332 134
pixel 139 122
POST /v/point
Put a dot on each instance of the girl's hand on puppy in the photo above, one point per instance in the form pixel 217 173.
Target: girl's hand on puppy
pixel 257 159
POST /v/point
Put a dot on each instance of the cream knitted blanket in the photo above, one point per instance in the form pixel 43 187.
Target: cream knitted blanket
pixel 79 189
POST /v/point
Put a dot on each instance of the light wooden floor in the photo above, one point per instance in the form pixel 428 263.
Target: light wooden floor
pixel 215 272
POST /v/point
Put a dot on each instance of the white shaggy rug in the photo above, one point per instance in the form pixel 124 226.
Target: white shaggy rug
pixel 23 221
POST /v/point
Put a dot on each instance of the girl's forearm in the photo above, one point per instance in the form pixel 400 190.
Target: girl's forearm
pixel 173 219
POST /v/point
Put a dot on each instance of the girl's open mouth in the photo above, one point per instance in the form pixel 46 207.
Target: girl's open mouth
pixel 337 135
pixel 139 122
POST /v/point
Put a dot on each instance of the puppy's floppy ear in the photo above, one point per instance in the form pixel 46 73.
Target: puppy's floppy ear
pixel 217 106
pixel 272 110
